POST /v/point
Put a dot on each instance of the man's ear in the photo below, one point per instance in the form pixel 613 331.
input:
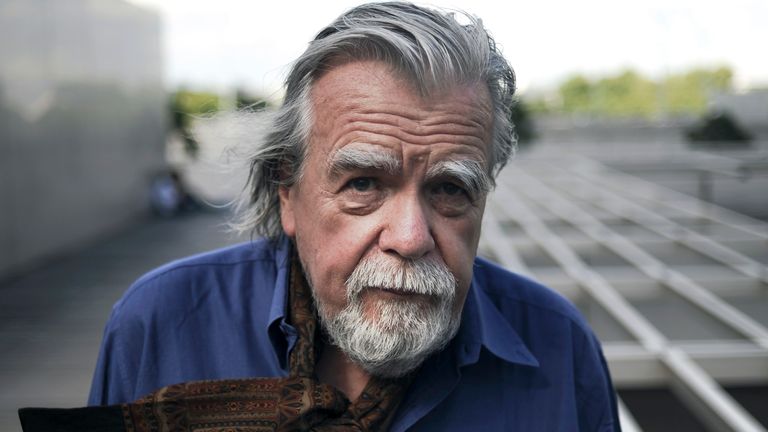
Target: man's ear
pixel 287 218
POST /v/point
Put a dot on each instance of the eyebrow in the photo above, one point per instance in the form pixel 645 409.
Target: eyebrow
pixel 469 172
pixel 352 158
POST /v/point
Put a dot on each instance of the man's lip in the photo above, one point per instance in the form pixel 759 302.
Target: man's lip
pixel 397 292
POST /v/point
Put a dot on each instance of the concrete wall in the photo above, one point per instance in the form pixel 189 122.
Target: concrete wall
pixel 82 122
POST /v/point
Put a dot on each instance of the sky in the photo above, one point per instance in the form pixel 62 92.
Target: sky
pixel 222 44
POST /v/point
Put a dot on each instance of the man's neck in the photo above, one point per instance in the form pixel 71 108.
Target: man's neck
pixel 336 369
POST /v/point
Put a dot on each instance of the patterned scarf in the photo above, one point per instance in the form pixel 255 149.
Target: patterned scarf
pixel 296 403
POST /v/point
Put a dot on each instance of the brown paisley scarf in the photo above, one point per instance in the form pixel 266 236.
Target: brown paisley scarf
pixel 296 403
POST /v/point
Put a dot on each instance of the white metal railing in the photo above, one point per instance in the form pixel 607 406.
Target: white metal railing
pixel 644 261
pixel 691 371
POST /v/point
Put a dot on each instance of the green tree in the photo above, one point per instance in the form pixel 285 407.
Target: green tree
pixel 520 115
pixel 185 105
pixel 718 130
pixel 630 94
pixel 539 105
pixel 247 101
pixel 576 94
pixel 623 95
pixel 687 93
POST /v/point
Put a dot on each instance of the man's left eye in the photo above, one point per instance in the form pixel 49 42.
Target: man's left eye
pixel 361 184
pixel 448 188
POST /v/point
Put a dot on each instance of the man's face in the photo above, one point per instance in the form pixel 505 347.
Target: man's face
pixel 389 176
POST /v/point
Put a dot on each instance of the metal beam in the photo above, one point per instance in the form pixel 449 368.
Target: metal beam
pixel 645 262
pixel 709 401
pixel 638 188
pixel 726 362
pixel 704 397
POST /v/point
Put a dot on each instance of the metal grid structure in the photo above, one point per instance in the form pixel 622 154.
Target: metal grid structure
pixel 676 288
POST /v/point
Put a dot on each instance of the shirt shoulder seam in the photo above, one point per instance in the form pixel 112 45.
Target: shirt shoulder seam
pixel 150 277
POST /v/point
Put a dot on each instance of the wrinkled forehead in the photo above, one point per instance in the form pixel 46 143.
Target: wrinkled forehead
pixel 427 85
pixel 351 90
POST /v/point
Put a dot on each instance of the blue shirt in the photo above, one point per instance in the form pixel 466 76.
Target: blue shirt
pixel 523 360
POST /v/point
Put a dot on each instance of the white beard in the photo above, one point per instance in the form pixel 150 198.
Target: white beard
pixel 390 338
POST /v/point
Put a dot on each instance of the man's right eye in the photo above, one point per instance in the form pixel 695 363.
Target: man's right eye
pixel 361 184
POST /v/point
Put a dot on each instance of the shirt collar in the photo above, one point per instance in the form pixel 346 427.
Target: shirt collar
pixel 283 247
pixel 281 334
pixel 484 325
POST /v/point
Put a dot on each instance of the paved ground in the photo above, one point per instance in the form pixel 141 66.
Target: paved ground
pixel 51 319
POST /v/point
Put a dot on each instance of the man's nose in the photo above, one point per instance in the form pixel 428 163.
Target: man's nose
pixel 408 229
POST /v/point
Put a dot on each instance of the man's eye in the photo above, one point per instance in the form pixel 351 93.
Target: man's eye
pixel 361 184
pixel 450 199
pixel 449 189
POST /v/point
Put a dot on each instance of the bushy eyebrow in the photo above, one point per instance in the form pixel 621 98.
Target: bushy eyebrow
pixel 351 159
pixel 470 173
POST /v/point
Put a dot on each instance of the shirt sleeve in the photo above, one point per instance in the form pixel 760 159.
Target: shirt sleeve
pixel 598 410
pixel 118 363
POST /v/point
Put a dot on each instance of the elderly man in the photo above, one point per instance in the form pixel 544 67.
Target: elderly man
pixel 364 305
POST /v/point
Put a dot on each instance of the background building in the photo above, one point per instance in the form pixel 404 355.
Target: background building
pixel 82 122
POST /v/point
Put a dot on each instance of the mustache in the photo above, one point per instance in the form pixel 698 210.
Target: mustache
pixel 427 276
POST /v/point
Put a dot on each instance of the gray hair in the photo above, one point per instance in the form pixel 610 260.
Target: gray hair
pixel 431 49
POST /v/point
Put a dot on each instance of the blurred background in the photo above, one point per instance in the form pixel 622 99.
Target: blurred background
pixel 638 191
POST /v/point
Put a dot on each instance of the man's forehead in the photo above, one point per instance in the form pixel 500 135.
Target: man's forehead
pixel 346 86
pixel 365 117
